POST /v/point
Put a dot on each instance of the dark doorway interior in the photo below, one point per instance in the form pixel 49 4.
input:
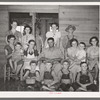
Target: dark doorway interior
pixel 43 21
pixel 22 19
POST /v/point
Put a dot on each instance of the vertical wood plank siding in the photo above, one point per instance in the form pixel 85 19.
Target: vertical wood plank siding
pixel 85 18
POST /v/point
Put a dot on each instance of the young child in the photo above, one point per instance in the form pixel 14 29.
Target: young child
pixel 17 57
pixel 32 75
pixel 84 79
pixel 49 82
pixel 66 77
pixel 81 53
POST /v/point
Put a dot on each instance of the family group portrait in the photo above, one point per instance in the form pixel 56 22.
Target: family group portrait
pixel 49 48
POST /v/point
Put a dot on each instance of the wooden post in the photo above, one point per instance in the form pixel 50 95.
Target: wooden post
pixel 33 22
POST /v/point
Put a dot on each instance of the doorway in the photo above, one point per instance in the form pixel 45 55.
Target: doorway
pixel 22 20
pixel 43 22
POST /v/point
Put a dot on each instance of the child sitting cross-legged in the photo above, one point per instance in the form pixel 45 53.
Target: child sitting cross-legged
pixel 49 83
pixel 32 76
pixel 66 77
pixel 84 80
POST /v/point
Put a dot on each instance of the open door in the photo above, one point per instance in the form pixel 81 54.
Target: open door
pixel 43 21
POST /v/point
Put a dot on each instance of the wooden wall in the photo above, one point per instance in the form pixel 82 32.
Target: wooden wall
pixel 85 18
pixel 4 20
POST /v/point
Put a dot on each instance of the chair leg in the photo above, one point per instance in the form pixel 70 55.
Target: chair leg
pixel 5 73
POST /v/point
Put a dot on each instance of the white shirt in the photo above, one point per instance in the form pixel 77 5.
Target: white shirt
pixel 81 54
pixel 56 36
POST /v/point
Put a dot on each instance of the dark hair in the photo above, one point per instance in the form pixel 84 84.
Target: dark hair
pixel 54 24
pixel 27 26
pixel 94 37
pixel 83 63
pixel 10 36
pixel 72 40
pixel 66 61
pixel 70 26
pixel 18 43
pixel 83 44
pixel 50 39
pixel 14 21
pixel 31 41
pixel 33 61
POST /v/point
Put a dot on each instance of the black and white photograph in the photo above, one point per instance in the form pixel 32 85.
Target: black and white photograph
pixel 49 48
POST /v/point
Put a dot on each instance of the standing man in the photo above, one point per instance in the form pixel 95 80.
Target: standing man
pixel 14 32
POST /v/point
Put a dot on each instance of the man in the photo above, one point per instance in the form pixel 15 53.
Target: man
pixel 53 54
pixel 13 31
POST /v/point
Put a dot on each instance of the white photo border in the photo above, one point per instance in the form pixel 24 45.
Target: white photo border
pixel 13 94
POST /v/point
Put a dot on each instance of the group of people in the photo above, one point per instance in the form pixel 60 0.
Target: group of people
pixel 45 66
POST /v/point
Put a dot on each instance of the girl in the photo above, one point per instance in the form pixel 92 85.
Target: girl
pixel 9 49
pixel 93 56
pixel 27 35
pixel 29 54
pixel 17 57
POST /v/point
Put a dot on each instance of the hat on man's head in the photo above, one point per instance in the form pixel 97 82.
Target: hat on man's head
pixel 70 26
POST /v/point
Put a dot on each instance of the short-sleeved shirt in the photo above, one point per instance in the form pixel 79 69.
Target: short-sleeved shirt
pixel 9 49
pixel 52 54
pixel 92 52
pixel 17 34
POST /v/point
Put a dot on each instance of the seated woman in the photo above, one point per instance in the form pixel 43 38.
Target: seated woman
pixel 84 80
pixel 30 54
pixel 71 55
pixel 32 75
pixel 49 82
pixel 93 56
pixel 9 49
pixel 66 77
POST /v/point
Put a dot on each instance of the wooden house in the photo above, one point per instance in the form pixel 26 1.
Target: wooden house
pixel 84 17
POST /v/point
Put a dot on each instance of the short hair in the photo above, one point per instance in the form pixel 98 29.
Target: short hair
pixel 94 37
pixel 34 61
pixel 83 63
pixel 70 26
pixel 72 40
pixel 10 36
pixel 50 39
pixel 32 41
pixel 14 21
pixel 18 43
pixel 54 24
pixel 83 44
pixel 66 60
pixel 27 26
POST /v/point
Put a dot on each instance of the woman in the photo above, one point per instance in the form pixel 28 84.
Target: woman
pixel 93 55
pixel 27 36
pixel 30 54
pixel 54 33
pixel 71 55
pixel 9 49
